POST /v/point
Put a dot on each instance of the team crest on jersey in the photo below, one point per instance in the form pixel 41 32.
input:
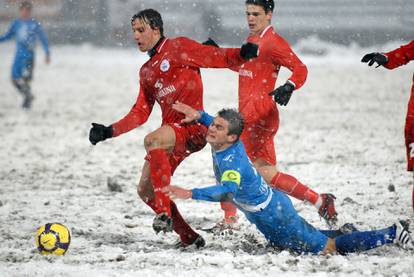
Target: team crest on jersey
pixel 165 65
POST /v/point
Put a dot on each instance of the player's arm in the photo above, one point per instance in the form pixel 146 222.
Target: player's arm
pixel 400 56
pixel 192 115
pixel 211 42
pixel 10 32
pixel 392 59
pixel 43 41
pixel 137 116
pixel 284 56
pixel 196 54
pixel 229 184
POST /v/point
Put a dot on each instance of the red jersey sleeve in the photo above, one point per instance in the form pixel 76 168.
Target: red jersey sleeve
pixel 192 53
pixel 400 56
pixel 282 54
pixel 137 116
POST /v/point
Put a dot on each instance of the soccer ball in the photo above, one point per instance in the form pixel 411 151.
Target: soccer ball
pixel 53 238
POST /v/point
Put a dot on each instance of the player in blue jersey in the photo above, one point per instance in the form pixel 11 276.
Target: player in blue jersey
pixel 25 30
pixel 270 210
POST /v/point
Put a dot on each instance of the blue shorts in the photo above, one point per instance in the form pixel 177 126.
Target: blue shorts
pixel 23 68
pixel 284 228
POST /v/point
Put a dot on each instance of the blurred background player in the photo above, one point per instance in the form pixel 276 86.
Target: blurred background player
pixel 256 79
pixel 171 74
pixel 270 210
pixel 25 30
pixel 391 60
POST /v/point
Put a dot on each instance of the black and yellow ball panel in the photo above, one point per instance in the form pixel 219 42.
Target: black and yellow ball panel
pixel 53 238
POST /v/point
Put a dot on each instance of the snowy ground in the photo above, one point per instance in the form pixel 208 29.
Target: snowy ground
pixel 341 133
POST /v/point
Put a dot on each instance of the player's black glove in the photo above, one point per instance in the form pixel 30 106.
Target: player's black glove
pixel 371 58
pixel 210 42
pixel 283 93
pixel 249 51
pixel 99 133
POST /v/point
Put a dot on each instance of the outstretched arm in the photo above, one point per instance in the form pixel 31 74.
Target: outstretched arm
pixel 392 59
pixel 400 56
pixel 215 193
pixel 196 54
pixel 192 114
pixel 9 34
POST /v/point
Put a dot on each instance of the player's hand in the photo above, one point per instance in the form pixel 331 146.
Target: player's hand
pixel 249 51
pixel 177 192
pixel 283 93
pixel 47 59
pixel 99 133
pixel 375 57
pixel 190 113
pixel 210 42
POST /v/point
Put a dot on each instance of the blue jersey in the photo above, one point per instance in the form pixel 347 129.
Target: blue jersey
pixel 236 177
pixel 270 210
pixel 25 33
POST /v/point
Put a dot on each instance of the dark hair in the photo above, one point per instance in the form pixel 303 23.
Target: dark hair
pixel 152 18
pixel 25 4
pixel 235 120
pixel 268 5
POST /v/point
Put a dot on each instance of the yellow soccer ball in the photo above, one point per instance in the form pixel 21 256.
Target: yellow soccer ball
pixel 53 238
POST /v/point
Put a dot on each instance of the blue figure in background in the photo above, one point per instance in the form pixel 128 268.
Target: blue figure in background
pixel 25 30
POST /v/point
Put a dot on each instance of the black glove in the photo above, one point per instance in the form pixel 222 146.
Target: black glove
pixel 249 51
pixel 371 58
pixel 210 42
pixel 99 133
pixel 283 93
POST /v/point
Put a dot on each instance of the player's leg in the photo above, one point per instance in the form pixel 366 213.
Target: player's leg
pixel 262 153
pixel 176 222
pixel 189 139
pixel 361 241
pixel 146 193
pixel 27 77
pixel 409 137
pixel 158 145
pixel 284 228
pixel 21 76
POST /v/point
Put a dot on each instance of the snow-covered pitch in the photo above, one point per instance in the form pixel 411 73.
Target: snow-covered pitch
pixel 341 133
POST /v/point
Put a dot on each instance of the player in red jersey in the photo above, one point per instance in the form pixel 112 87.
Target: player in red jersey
pixel 171 74
pixel 391 60
pixel 257 79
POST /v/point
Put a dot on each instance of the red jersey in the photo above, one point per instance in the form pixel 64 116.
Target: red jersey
pixel 257 77
pixel 400 56
pixel 173 74
pixel 396 58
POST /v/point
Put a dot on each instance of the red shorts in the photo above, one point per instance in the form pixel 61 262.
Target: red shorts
pixel 188 139
pixel 259 142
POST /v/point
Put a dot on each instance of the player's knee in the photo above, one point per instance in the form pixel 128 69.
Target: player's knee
pixel 145 192
pixel 17 83
pixel 151 141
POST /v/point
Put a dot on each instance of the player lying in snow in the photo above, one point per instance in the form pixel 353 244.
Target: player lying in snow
pixel 270 210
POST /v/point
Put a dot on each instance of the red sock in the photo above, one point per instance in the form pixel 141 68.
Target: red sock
pixel 293 187
pixel 230 211
pixel 187 235
pixel 151 203
pixel 160 169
